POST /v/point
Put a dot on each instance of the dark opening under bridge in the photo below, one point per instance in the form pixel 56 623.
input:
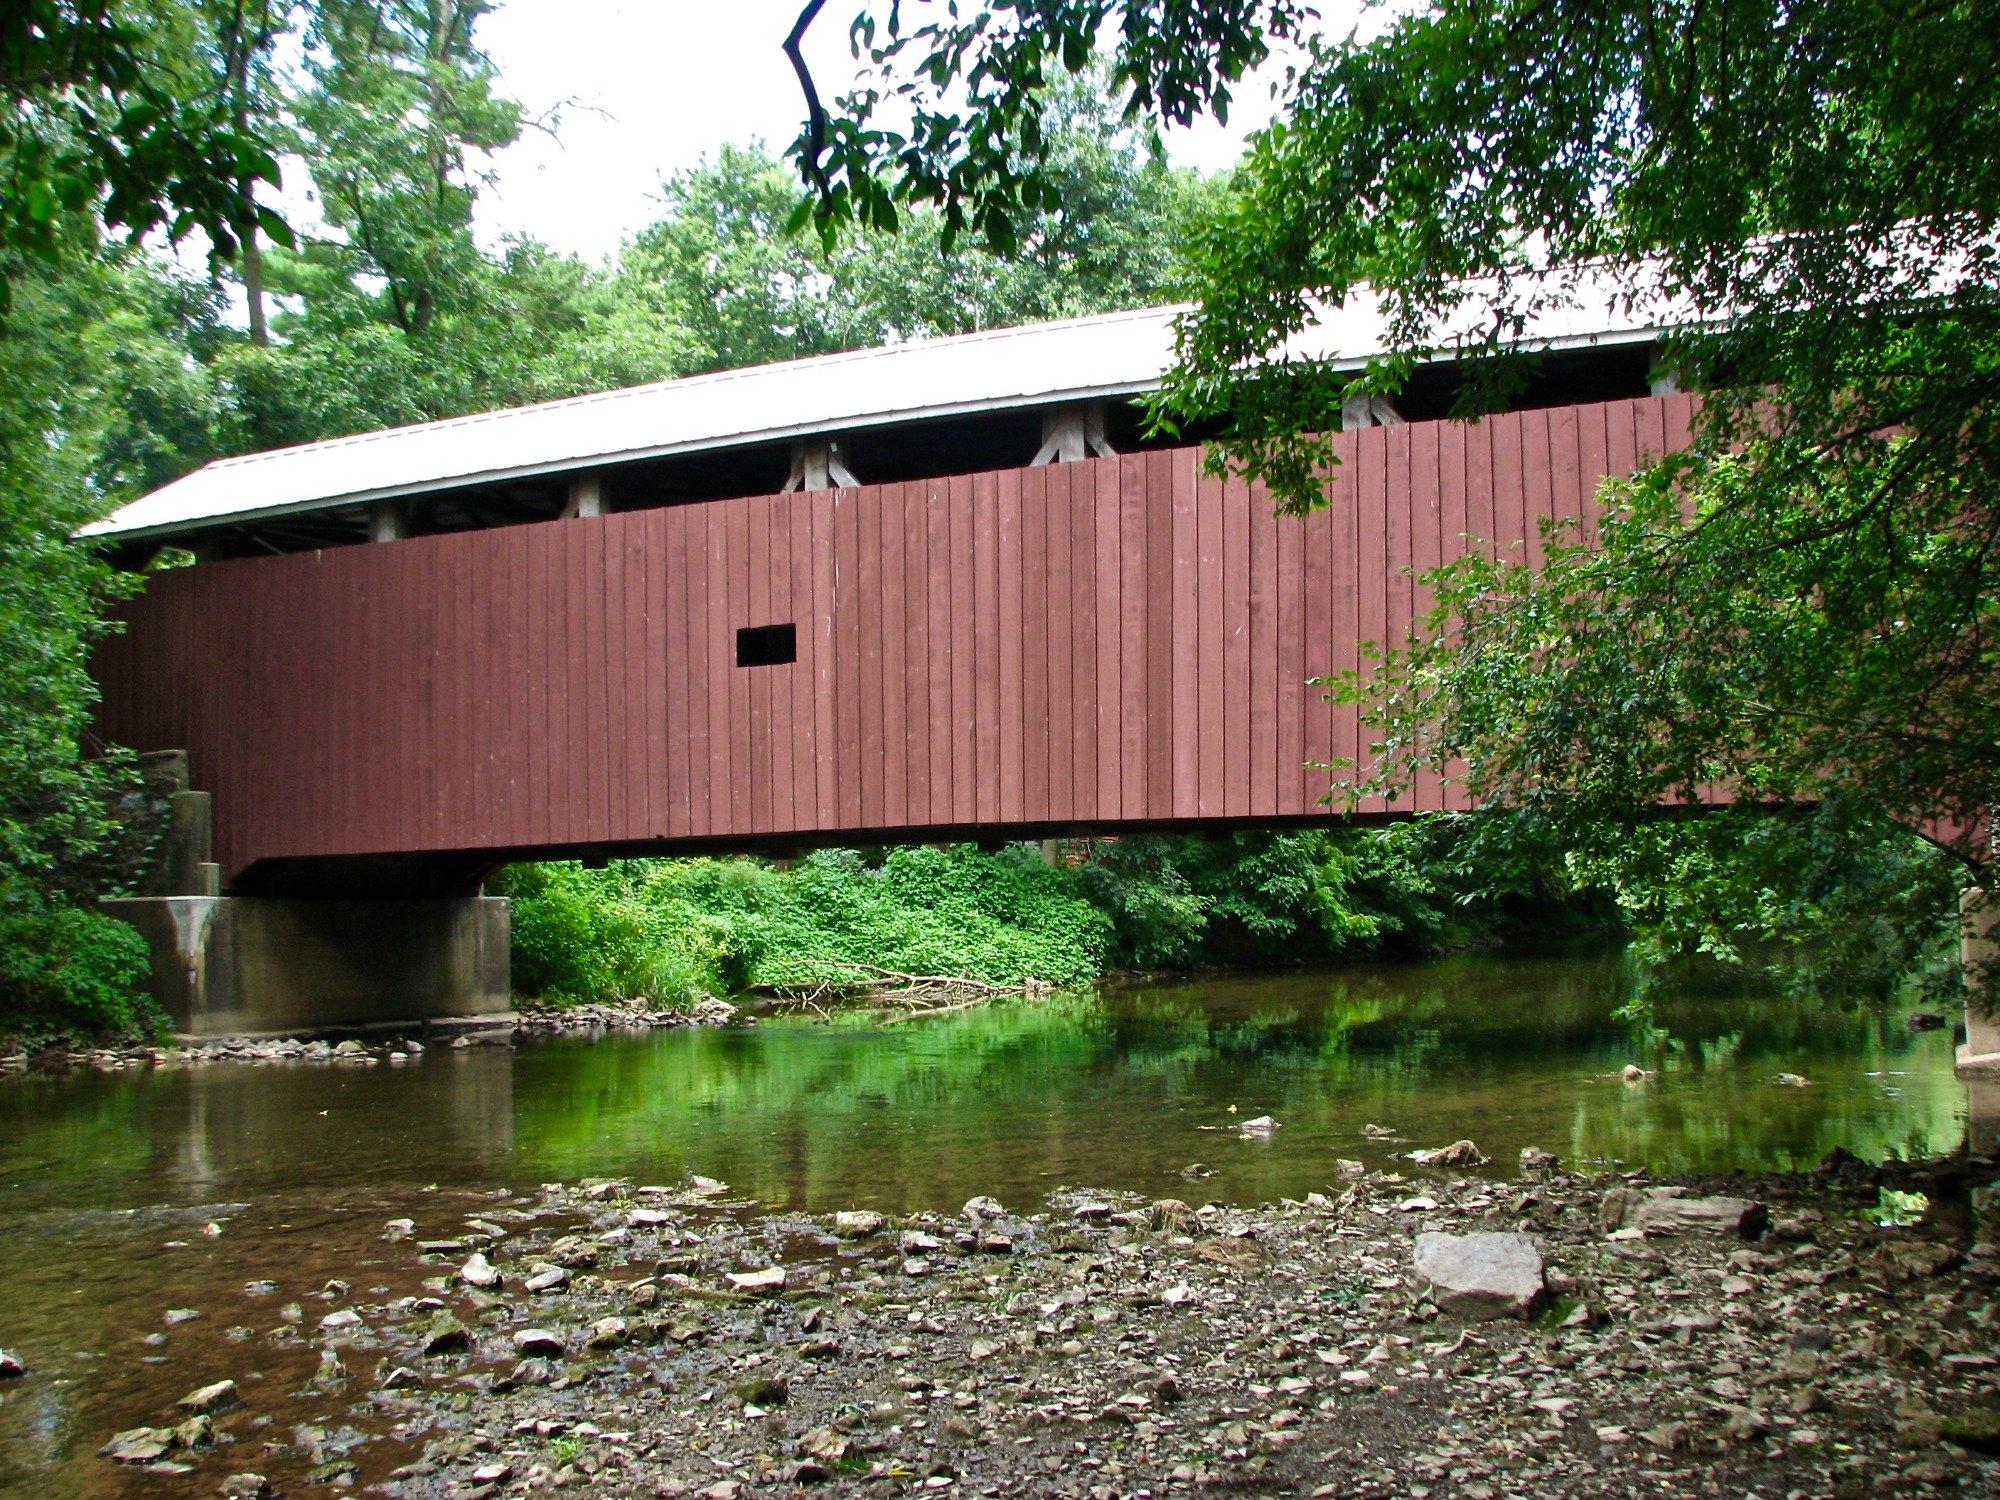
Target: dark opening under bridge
pixel 655 661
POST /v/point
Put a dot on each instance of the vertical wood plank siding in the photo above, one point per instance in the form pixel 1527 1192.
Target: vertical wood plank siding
pixel 1117 641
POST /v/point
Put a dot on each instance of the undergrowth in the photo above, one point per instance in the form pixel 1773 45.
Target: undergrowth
pixel 670 931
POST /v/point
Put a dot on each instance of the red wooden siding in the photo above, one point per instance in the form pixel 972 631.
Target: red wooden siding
pixel 1114 642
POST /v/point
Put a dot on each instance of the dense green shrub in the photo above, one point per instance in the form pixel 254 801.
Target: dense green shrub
pixel 71 970
pixel 1315 894
pixel 670 930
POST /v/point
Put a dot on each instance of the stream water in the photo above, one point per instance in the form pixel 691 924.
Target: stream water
pixel 109 1182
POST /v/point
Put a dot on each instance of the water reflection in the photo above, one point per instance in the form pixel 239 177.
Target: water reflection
pixel 106 1181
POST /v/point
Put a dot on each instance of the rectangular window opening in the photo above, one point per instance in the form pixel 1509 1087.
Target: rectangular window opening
pixel 767 645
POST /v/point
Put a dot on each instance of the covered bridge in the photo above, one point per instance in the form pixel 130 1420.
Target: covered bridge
pixel 947 589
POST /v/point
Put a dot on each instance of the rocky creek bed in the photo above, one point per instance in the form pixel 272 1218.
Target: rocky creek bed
pixel 531 1020
pixel 1411 1333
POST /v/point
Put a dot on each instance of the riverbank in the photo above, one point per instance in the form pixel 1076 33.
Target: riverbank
pixel 670 1340
pixel 531 1020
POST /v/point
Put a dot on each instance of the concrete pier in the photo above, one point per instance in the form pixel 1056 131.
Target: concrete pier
pixel 260 966
pixel 227 966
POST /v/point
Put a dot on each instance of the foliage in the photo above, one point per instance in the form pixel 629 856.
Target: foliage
pixel 1834 900
pixel 1802 610
pixel 1320 894
pixel 107 124
pixel 57 804
pixel 69 969
pixel 750 292
pixel 956 110
pixel 672 930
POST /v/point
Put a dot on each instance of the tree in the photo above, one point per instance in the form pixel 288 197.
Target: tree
pixel 109 126
pixel 751 292
pixel 1804 609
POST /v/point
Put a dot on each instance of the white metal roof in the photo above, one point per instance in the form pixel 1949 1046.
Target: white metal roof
pixel 1115 354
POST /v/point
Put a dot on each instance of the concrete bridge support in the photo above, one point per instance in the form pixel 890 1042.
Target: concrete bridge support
pixel 278 965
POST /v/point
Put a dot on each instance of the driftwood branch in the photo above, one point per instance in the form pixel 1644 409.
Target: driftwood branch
pixel 917 994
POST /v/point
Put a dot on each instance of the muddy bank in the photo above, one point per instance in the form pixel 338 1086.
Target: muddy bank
pixel 1602 1338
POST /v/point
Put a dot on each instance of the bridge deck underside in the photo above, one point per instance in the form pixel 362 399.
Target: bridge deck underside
pixel 1112 643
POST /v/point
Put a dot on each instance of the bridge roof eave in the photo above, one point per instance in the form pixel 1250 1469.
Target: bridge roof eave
pixel 1111 356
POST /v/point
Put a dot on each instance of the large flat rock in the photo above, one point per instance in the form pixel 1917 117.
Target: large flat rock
pixel 1670 1210
pixel 1485 1275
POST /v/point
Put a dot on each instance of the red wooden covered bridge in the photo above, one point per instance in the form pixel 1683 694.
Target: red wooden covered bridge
pixel 943 590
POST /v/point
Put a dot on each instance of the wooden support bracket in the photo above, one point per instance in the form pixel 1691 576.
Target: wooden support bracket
pixel 586 497
pixel 1369 411
pixel 819 464
pixel 1072 432
pixel 388 521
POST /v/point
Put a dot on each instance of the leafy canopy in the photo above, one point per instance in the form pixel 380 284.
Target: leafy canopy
pixel 1805 606
pixel 108 123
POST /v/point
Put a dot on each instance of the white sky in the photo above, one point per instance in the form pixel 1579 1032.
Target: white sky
pixel 643 88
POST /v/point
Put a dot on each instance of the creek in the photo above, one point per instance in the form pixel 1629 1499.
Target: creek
pixel 110 1182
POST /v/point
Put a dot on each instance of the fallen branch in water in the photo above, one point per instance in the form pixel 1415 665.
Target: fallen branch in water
pixel 918 994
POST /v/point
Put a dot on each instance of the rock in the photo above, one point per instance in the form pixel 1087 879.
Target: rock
pixel 446 1335
pixel 260 1288
pixel 983 1208
pixel 12 1366
pixel 1666 1211
pixel 1090 1213
pixel 546 1279
pixel 402 1378
pixel 1378 1132
pixel 1488 1274
pixel 210 1399
pixel 1793 1081
pixel 1913 1260
pixel 1535 1159
pixel 181 1315
pixel 858 1224
pixel 538 1342
pixel 1633 1073
pixel 827 1444
pixel 1668 1437
pixel 347 1317
pixel 139 1445
pixel 195 1432
pixel 573 1253
pixel 1977 1429
pixel 1746 1425
pixel 494 1473
pixel 765 1390
pixel 607 1333
pixel 767 1282
pixel 1457 1154
pixel 479 1272
pixel 1262 1125
pixel 246 1487
pixel 1348 1167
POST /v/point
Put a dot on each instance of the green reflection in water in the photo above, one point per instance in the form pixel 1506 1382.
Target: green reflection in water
pixel 1114 1088
pixel 1119 1088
